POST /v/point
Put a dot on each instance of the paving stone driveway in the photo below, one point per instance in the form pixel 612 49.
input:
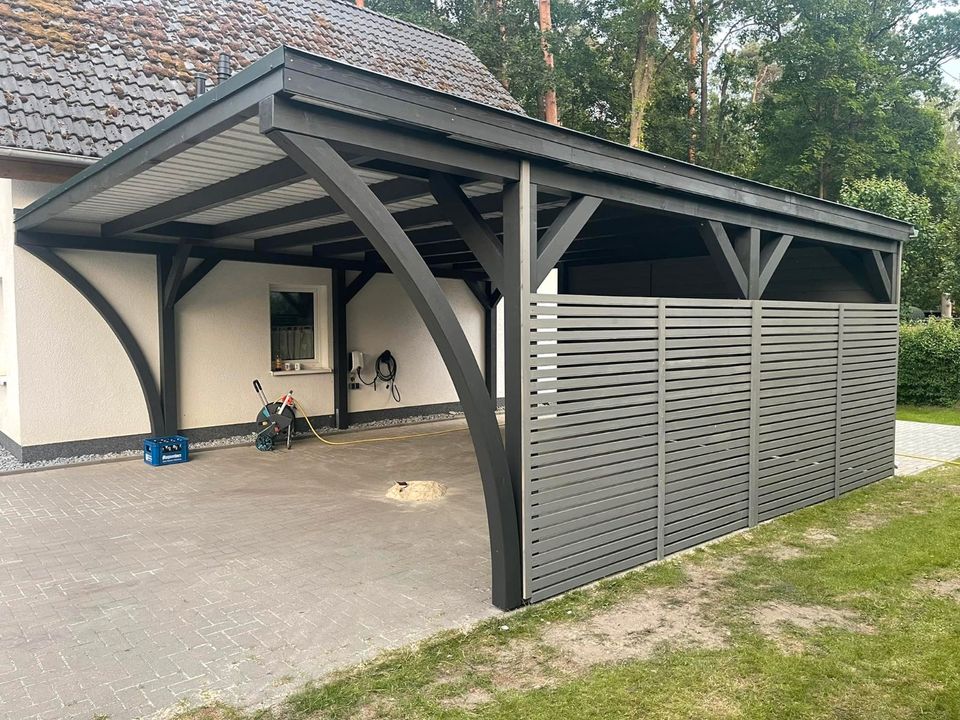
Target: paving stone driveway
pixel 125 589
pixel 926 440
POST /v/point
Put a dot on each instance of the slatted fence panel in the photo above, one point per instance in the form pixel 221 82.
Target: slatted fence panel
pixel 796 448
pixel 869 393
pixel 591 495
pixel 707 368
pixel 655 425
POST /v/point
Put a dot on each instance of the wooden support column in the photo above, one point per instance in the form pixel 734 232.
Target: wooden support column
pixel 520 255
pixel 170 273
pixel 490 341
pixel 341 362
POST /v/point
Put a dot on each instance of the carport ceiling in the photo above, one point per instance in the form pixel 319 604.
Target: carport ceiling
pixel 208 176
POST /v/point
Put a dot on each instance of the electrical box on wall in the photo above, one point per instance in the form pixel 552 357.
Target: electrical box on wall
pixel 356 361
pixel 356 365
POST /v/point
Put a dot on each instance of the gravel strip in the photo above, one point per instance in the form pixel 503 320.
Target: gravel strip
pixel 9 464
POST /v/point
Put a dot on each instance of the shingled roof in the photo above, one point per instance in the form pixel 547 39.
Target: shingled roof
pixel 84 77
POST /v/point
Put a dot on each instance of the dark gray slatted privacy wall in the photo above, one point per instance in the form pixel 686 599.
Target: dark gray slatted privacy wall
pixel 656 425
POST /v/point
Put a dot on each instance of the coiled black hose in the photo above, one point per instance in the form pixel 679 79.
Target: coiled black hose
pixel 386 367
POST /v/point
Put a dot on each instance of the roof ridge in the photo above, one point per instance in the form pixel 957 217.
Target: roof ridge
pixel 401 21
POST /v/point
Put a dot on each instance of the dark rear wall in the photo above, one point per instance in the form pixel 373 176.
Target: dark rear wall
pixel 808 274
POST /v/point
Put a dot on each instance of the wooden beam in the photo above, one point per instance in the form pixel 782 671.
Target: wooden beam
pixel 389 191
pixel 171 288
pixel 341 182
pixel 878 273
pixel 474 231
pixel 357 284
pixel 195 276
pixel 561 233
pixel 770 257
pixel 747 247
pixel 724 256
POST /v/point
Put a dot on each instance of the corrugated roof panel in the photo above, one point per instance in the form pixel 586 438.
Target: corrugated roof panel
pixel 275 199
pixel 230 153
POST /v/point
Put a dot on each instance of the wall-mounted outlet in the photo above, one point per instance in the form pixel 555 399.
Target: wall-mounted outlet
pixel 353 383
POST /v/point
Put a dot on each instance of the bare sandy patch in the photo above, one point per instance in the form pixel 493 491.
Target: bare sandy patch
pixel 374 711
pixel 472 699
pixel 781 552
pixel 942 587
pixel 818 536
pixel 636 629
pixel 774 620
pixel 867 521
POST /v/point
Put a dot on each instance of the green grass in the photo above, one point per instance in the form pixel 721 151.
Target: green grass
pixel 868 555
pixel 929 414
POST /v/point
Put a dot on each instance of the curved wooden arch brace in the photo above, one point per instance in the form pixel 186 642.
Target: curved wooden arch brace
pixel 121 330
pixel 319 160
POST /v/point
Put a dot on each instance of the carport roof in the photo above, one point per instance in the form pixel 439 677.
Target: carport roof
pixel 208 174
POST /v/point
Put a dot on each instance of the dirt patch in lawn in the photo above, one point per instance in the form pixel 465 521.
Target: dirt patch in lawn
pixel 867 521
pixel 948 587
pixel 636 629
pixel 820 537
pixel 781 552
pixel 776 619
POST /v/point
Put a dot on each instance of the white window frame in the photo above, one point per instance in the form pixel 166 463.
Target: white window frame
pixel 322 338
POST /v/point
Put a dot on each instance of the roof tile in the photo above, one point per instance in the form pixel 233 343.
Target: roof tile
pixel 101 71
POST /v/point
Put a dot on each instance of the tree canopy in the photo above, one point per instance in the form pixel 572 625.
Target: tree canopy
pixel 842 99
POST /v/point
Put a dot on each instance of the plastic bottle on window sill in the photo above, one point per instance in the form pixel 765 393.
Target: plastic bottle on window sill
pixel 277 363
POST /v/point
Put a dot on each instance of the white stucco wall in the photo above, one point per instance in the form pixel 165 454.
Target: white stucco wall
pixel 76 383
pixel 381 317
pixel 223 341
pixel 9 369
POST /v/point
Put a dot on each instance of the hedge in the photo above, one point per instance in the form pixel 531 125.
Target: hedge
pixel 929 368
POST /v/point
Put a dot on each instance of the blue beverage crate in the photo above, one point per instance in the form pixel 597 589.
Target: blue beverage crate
pixel 166 450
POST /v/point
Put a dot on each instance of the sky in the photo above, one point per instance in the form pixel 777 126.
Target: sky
pixel 951 68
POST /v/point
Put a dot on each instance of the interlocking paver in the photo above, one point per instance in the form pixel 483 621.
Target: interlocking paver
pixel 126 589
pixel 921 446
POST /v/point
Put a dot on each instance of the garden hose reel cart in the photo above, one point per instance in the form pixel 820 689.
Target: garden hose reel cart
pixel 274 419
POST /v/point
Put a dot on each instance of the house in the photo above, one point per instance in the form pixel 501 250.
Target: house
pixel 79 85
pixel 717 352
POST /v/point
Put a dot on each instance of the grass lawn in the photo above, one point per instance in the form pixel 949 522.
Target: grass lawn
pixel 929 414
pixel 849 610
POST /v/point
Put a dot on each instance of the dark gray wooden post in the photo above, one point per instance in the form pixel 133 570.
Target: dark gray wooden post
pixel 520 255
pixel 168 348
pixel 490 344
pixel 341 409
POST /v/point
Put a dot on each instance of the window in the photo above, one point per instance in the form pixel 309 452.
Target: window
pixel 298 325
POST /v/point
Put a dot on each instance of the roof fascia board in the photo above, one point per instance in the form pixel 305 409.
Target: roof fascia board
pixel 338 85
pixel 228 103
pixel 362 135
pixel 673 203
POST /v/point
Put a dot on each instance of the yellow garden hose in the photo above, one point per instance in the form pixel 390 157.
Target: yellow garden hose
pixel 921 457
pixel 318 436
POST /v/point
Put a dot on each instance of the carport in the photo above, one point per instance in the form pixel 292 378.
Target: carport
pixel 719 351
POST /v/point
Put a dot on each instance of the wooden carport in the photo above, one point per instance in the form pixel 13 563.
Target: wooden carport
pixel 299 160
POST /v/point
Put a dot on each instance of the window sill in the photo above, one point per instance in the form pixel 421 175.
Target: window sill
pixel 303 371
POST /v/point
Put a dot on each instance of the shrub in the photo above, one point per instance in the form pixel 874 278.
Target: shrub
pixel 929 368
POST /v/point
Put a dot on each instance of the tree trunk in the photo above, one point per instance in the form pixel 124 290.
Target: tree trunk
pixel 704 76
pixel 550 94
pixel 693 59
pixel 641 82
